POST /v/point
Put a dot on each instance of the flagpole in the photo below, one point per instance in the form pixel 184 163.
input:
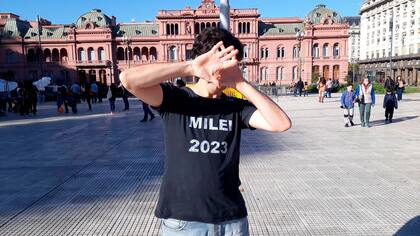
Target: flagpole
pixel 225 14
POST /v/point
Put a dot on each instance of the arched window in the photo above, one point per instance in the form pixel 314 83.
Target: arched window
pixel 202 26
pixel 55 55
pixel 279 73
pixel 176 29
pixel 280 52
pixel 63 55
pixel 120 54
pixel 213 24
pixel 208 25
pixel 47 55
pixel 245 73
pixel 153 54
pixel 240 27
pixel 248 28
pixel 144 54
pixel 325 50
pixel 137 54
pixel 168 29
pixel 326 72
pixel 336 72
pixel 197 28
pixel 264 53
pixel 81 54
pixel 336 50
pixel 315 51
pixel 315 71
pixel 91 54
pixel 264 73
pixel 101 54
pixel 129 53
pixel 173 53
pixel 30 56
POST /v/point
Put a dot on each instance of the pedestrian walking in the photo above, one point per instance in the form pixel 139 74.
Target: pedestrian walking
pixel 390 84
pixel 147 112
pixel 365 95
pixel 111 96
pixel 348 99
pixel 76 90
pixel 200 187
pixel 125 95
pixel 329 85
pixel 321 86
pixel 94 91
pixel 400 87
pixel 88 95
pixel 299 86
pixel 390 103
pixel 305 89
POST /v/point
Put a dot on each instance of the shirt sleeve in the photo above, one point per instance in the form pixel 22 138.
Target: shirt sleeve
pixel 172 96
pixel 247 110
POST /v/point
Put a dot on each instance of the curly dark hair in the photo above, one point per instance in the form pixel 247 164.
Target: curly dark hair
pixel 210 37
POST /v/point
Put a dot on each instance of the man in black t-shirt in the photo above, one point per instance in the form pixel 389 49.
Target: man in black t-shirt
pixel 199 194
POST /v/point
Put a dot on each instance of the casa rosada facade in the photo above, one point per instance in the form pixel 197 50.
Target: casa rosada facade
pixel 96 47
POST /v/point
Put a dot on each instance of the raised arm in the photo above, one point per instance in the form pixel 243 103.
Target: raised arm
pixel 269 116
pixel 143 81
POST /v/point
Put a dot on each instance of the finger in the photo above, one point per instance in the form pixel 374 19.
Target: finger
pixel 226 51
pixel 230 63
pixel 217 46
pixel 231 55
pixel 222 47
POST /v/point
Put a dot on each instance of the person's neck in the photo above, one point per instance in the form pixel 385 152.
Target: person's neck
pixel 200 88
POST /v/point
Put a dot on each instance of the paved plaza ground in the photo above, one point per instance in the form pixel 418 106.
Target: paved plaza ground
pixel 97 174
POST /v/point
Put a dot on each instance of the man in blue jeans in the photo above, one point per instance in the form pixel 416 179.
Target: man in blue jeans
pixel 200 194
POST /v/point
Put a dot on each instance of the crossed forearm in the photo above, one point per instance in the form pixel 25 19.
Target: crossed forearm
pixel 272 113
pixel 150 75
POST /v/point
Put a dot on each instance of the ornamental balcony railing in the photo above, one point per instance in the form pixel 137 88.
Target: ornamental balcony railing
pixel 93 63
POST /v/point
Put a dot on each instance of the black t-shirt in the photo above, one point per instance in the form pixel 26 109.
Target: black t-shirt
pixel 202 142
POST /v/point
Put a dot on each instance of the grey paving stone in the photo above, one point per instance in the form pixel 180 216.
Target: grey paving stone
pixel 96 174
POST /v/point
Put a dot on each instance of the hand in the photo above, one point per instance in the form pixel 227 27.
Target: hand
pixel 205 66
pixel 229 74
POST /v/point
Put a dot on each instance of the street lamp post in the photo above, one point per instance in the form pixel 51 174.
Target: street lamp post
pixel 299 37
pixel 391 29
pixel 127 40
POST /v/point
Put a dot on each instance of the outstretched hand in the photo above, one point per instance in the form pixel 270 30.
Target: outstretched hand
pixel 219 66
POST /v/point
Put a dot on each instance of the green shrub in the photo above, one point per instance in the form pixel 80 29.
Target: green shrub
pixel 379 88
pixel 312 88
pixel 412 90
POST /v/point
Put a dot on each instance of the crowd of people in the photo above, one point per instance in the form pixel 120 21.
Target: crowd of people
pixel 22 100
pixel 365 97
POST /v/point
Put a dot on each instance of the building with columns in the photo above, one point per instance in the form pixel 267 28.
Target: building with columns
pixel 381 21
pixel 96 47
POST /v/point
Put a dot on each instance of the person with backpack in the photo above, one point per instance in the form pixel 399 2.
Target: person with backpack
pixel 347 104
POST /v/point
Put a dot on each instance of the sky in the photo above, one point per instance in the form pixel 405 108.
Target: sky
pixel 67 11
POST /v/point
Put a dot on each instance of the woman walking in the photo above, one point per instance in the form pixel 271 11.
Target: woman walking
pixel 400 88
pixel 365 95
pixel 321 85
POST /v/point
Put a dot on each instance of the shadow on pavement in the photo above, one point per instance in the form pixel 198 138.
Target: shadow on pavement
pixel 397 120
pixel 410 228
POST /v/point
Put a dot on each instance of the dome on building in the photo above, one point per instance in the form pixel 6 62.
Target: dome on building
pixel 96 17
pixel 321 12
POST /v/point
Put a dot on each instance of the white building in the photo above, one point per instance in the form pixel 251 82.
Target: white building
pixel 354 39
pixel 378 17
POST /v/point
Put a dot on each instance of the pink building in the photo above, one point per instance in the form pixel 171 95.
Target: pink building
pixel 97 47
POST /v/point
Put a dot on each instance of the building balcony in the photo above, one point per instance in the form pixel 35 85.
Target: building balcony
pixel 93 63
